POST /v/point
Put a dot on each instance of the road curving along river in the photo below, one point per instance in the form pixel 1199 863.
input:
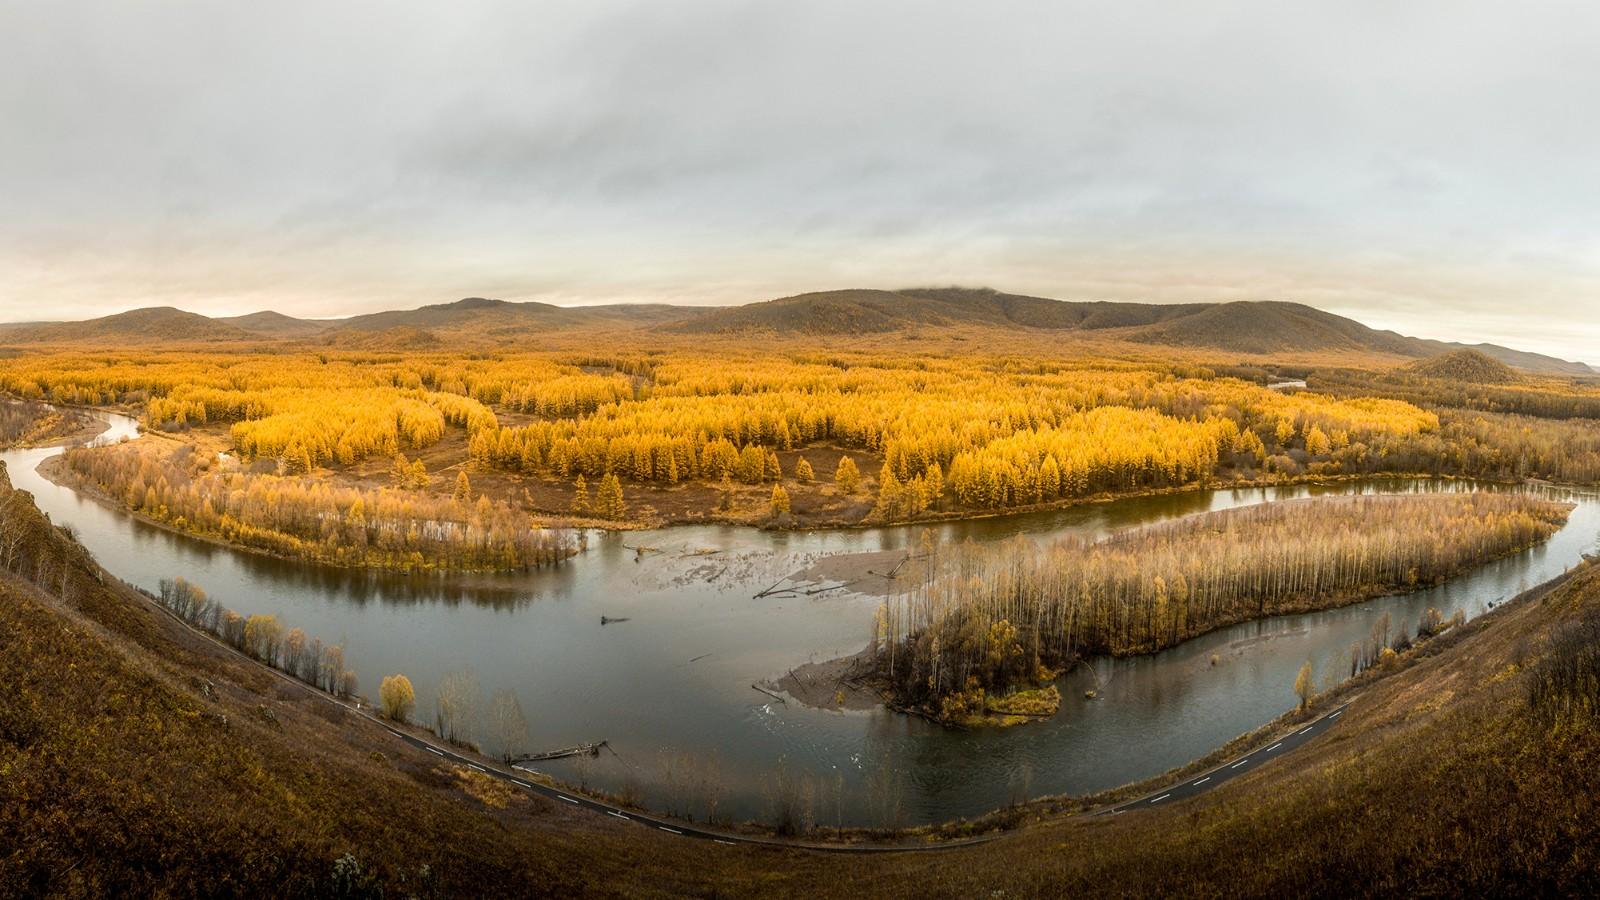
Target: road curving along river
pixel 670 688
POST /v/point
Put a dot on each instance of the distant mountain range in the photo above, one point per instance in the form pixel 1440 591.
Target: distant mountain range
pixel 1253 327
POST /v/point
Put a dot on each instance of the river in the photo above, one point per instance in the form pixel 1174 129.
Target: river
pixel 670 689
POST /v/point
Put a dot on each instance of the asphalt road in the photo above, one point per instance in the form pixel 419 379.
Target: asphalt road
pixel 1232 769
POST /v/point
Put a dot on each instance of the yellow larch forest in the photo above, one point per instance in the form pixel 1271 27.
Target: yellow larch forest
pixel 356 458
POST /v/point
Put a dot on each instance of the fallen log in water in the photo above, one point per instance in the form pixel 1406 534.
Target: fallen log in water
pixel 769 590
pixel 837 587
pixel 580 750
pixel 773 694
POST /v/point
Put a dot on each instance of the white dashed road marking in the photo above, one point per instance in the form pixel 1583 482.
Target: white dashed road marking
pixel 1160 798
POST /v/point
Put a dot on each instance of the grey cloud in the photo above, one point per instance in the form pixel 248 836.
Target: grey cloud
pixel 1393 160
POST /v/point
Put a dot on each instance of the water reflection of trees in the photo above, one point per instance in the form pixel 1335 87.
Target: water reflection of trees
pixel 361 586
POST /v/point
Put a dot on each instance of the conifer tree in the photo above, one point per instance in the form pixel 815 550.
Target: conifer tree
pixel 847 476
pixel 400 472
pixel 889 491
pixel 610 500
pixel 580 496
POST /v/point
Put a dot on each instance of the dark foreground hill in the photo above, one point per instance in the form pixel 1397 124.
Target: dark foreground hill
pixel 139 759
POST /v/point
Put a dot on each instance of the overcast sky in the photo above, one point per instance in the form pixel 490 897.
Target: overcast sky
pixel 1426 166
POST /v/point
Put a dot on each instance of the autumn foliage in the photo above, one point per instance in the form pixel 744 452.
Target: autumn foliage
pixel 995 616
pixel 396 697
pixel 305 518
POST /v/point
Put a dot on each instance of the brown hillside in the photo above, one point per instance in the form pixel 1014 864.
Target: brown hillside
pixel 159 323
pixel 483 317
pixel 275 324
pixel 1262 328
pixel 1271 327
pixel 823 312
pixel 396 337
pixel 871 311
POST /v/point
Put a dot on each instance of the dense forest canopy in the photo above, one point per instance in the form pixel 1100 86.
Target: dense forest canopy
pixel 884 433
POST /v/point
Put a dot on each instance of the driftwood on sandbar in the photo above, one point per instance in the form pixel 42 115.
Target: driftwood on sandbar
pixel 773 694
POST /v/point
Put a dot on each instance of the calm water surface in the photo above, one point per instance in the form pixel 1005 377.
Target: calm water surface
pixel 670 689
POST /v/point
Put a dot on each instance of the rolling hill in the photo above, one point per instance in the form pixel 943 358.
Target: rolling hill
pixel 1247 327
pixel 160 323
pixel 275 324
pixel 397 337
pixel 868 311
pixel 1257 327
pixel 1272 327
pixel 1465 365
pixel 503 318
